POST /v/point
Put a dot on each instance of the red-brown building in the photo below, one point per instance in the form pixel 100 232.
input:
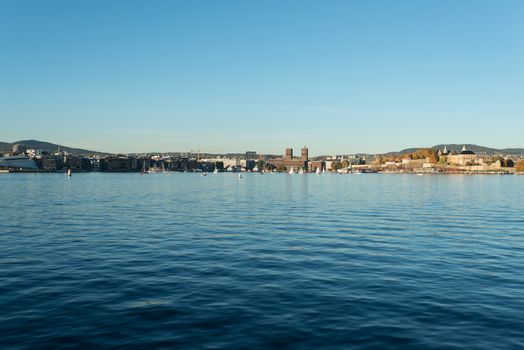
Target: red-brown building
pixel 289 161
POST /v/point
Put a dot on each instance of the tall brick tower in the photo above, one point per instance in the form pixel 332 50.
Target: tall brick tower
pixel 304 156
pixel 289 153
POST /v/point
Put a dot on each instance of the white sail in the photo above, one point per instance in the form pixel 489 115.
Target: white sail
pixel 291 171
pixel 318 171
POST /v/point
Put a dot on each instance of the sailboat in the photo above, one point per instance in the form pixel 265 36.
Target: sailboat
pixel 216 170
pixel 291 172
pixel 301 171
pixel 69 172
pixel 318 171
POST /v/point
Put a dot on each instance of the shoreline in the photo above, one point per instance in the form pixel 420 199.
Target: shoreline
pixel 416 173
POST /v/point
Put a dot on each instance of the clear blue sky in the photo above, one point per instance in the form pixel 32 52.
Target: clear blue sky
pixel 338 76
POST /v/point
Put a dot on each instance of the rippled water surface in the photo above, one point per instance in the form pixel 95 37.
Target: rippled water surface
pixel 274 261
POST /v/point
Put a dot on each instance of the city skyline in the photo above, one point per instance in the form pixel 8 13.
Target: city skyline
pixel 49 147
pixel 339 77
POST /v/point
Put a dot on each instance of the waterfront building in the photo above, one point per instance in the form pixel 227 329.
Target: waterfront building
pixel 465 157
pixel 77 163
pixel 50 163
pixel 95 164
pixel 317 164
pixel 413 163
pixel 289 161
pixel 118 163
pixel 229 162
pixel 302 162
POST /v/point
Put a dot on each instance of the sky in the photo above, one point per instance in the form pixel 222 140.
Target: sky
pixel 230 76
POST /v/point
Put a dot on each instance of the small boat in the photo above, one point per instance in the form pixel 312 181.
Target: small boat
pixel 239 176
pixel 318 171
pixel 215 171
pixel 69 172
pixel 154 170
pixel 291 172
pixel 301 171
pixel 203 174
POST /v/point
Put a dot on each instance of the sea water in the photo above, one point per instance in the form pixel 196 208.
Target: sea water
pixel 177 260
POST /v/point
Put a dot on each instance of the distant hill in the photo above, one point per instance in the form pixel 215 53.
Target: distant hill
pixel 474 148
pixel 46 147
pixel 53 147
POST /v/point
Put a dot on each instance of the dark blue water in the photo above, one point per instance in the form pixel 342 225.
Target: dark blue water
pixel 274 261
